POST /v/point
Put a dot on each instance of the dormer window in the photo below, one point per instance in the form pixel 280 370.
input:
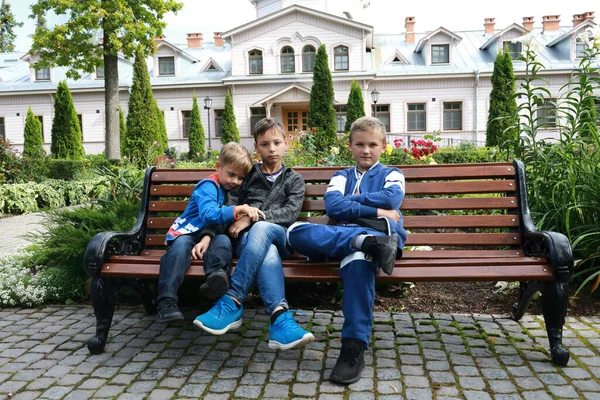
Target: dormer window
pixel 308 58
pixel 211 67
pixel 440 53
pixel 341 58
pixel 99 72
pixel 580 47
pixel 166 66
pixel 42 74
pixel 287 60
pixel 256 61
pixel 514 49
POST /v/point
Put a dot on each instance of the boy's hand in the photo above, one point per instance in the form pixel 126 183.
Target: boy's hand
pixel 252 212
pixel 239 225
pixel 200 248
pixel 391 214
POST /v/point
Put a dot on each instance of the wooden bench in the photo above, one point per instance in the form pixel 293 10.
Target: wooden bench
pixel 474 216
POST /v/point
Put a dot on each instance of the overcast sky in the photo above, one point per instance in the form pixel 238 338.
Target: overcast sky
pixel 387 16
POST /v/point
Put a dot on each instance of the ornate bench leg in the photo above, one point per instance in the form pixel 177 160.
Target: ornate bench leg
pixel 554 307
pixel 526 292
pixel 103 296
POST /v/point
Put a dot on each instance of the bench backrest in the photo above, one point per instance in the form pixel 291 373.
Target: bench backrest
pixel 448 206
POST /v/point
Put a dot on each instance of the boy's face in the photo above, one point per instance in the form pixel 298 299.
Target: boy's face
pixel 366 147
pixel 271 147
pixel 230 175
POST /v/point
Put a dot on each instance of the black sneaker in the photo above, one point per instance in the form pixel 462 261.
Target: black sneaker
pixel 168 311
pixel 383 249
pixel 350 363
pixel 216 285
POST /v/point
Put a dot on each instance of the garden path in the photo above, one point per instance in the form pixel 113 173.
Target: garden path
pixel 14 229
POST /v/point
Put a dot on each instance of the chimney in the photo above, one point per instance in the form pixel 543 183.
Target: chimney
pixel 550 23
pixel 489 24
pixel 194 40
pixel 409 25
pixel 218 39
pixel 528 23
pixel 159 38
pixel 588 16
pixel 577 19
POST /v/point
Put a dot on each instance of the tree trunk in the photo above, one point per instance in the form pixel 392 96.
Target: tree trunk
pixel 111 100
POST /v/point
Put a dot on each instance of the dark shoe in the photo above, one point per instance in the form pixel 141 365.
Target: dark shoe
pixel 168 311
pixel 216 285
pixel 383 249
pixel 350 363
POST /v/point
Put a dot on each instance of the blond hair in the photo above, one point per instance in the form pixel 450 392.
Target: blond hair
pixel 368 124
pixel 233 153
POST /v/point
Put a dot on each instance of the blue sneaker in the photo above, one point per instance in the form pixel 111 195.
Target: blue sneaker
pixel 285 333
pixel 223 316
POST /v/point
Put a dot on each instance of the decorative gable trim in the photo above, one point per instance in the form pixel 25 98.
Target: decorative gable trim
pixel 575 31
pixel 176 50
pixel 272 96
pixel 439 30
pixel 497 36
pixel 211 65
pixel 397 57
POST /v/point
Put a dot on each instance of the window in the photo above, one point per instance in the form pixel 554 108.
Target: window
pixel 383 114
pixel 416 117
pixel 80 119
pixel 514 49
pixel 256 62
pixel 41 119
pixel 256 114
pixel 308 58
pixel 99 72
pixel 546 114
pixel 287 60
pixel 580 47
pixel 42 74
pixel 186 117
pixel 219 123
pixel 340 116
pixel 166 65
pixel 341 58
pixel 2 129
pixel 211 67
pixel 440 53
pixel 453 116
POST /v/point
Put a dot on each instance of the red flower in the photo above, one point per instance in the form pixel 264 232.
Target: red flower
pixel 313 129
pixel 405 150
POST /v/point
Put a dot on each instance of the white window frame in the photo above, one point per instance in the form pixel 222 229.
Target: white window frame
pixel 291 56
pixel 250 58
pixel 98 75
pixel 547 112
pixel 183 121
pixel 513 54
pixel 388 112
pixel 448 45
pixel 38 78
pixel 159 65
pixel 410 112
pixel 341 116
pixel 341 53
pixel 307 54
pixel 462 119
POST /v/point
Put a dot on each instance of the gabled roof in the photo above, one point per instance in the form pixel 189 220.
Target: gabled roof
pixel 176 49
pixel 498 35
pixel 208 64
pixel 397 56
pixel 439 30
pixel 582 26
pixel 272 96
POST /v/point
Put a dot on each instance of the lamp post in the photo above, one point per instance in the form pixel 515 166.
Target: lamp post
pixel 207 105
pixel 375 97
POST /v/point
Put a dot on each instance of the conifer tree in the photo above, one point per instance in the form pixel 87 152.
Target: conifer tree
pixel 34 139
pixel 66 132
pixel 321 114
pixel 162 127
pixel 7 26
pixel 122 129
pixel 356 105
pixel 196 138
pixel 502 118
pixel 230 129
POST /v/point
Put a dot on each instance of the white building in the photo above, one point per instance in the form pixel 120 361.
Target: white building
pixel 432 81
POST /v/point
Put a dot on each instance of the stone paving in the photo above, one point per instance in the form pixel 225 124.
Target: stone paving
pixel 412 356
pixel 10 238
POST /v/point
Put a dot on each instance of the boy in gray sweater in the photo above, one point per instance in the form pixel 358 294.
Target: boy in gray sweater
pixel 277 191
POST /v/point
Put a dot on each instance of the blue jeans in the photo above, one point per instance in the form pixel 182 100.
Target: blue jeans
pixel 174 264
pixel 260 251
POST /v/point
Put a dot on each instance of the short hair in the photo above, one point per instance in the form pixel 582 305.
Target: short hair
pixel 368 124
pixel 265 124
pixel 233 153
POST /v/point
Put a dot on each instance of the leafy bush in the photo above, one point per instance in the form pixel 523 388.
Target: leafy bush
pixel 66 132
pixel 14 168
pixel 454 155
pixel 67 170
pixel 32 134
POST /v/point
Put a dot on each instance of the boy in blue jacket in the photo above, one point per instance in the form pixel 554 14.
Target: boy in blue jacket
pixel 363 202
pixel 204 208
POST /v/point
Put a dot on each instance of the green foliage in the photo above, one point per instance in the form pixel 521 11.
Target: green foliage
pixel 502 123
pixel 7 26
pixel 588 119
pixel 356 105
pixel 163 138
pixel 34 140
pixel 321 114
pixel 16 169
pixel 66 132
pixel 67 169
pixel 196 138
pixel 122 131
pixel 230 129
pixel 456 155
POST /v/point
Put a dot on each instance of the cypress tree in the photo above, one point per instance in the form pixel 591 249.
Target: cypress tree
pixel 122 129
pixel 230 129
pixel 196 138
pixel 321 114
pixel 66 132
pixel 502 118
pixel 143 125
pixel 162 127
pixel 356 105
pixel 33 136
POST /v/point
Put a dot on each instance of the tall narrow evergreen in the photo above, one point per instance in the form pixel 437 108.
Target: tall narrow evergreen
pixel 122 129
pixel 196 138
pixel 34 139
pixel 143 125
pixel 230 129
pixel 66 132
pixel 356 105
pixel 7 26
pixel 502 118
pixel 162 127
pixel 321 114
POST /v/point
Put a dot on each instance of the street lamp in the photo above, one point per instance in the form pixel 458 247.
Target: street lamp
pixel 207 105
pixel 375 97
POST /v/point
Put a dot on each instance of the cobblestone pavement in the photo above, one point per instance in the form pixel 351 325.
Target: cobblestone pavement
pixel 413 356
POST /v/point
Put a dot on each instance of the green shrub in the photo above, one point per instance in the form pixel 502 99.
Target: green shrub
pixel 455 155
pixel 356 105
pixel 67 169
pixel 196 139
pixel 321 114
pixel 66 132
pixel 230 129
pixel 32 134
pixel 17 169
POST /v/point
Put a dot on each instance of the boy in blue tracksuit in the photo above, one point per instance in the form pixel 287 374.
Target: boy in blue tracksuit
pixel 363 202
